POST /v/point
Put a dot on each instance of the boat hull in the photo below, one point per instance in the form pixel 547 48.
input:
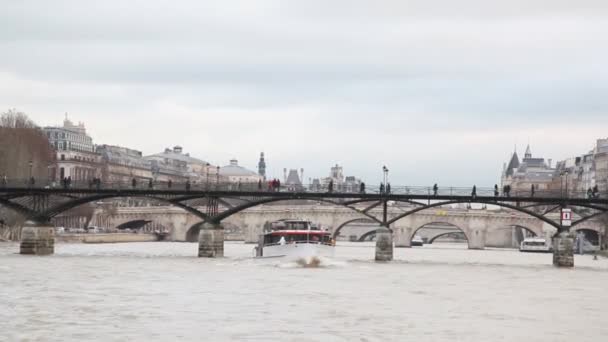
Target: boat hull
pixel 298 251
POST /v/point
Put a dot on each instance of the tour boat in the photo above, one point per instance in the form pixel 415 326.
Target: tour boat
pixel 417 241
pixel 297 240
pixel 535 244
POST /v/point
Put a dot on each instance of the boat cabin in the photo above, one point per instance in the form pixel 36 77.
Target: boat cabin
pixel 296 231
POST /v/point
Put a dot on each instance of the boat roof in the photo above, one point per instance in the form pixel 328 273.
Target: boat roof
pixel 536 238
pixel 292 232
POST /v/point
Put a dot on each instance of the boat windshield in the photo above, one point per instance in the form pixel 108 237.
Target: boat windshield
pixel 291 238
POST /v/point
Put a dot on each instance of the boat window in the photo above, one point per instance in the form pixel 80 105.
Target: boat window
pixel 297 225
pixel 534 243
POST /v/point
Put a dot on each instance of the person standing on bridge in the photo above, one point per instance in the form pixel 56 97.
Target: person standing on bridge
pixel 4 181
pixel 595 191
pixel 532 190
pixel 259 185
pixel 169 184
pixel 362 188
pixel 496 193
pixel 188 185
pixel 330 186
pixel 388 188
pixel 435 189
pixel 134 183
pixel 150 183
pixel 474 192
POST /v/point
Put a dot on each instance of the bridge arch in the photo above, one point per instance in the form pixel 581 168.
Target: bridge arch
pixel 431 223
pixel 336 232
pixel 439 204
pixel 72 204
pixel 430 242
pixel 369 235
pixel 134 224
pixel 592 235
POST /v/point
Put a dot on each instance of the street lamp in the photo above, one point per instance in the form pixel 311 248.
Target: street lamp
pixel 566 183
pixel 385 171
pixel 561 188
pixel 207 172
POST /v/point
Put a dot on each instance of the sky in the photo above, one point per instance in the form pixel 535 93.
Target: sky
pixel 438 91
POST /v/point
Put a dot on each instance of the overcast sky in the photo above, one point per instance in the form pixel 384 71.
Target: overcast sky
pixel 439 91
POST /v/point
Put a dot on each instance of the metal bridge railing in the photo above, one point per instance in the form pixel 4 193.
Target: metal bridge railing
pixel 265 187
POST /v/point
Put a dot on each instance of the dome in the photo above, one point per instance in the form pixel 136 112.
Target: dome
pixel 233 169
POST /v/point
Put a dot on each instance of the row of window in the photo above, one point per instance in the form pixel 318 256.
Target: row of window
pixel 67 145
pixel 69 136
pixel 79 158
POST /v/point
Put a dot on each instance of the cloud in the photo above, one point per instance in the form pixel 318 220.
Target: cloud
pixel 438 90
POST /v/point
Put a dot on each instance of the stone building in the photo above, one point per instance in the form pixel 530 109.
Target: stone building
pixel 174 165
pixel 586 171
pixel 76 157
pixel 122 165
pixel 340 182
pixel 530 171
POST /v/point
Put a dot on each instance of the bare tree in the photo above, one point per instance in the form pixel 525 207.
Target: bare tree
pixel 13 118
pixel 23 147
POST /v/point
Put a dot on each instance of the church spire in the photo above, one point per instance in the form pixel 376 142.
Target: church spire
pixel 528 154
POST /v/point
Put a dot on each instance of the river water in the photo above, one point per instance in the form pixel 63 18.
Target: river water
pixel 163 292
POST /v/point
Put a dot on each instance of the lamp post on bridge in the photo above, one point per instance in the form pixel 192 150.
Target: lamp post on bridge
pixel 217 177
pixel 384 237
pixel 207 172
pixel 385 171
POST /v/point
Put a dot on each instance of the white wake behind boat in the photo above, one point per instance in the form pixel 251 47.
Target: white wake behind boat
pixel 295 240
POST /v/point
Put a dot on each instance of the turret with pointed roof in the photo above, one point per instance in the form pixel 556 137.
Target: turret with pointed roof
pixel 513 164
pixel 528 154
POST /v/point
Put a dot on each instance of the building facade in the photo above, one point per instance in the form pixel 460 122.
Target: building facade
pixel 76 156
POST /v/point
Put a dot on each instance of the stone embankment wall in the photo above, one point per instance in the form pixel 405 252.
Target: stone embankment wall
pixel 105 238
pixel 10 233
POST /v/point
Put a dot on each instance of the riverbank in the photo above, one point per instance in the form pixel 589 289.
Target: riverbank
pixel 105 238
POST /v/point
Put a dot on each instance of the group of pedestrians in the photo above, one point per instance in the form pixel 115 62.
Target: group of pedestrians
pixel 274 185
pixel 386 189
pixel 66 182
pixel 95 182
pixel 593 192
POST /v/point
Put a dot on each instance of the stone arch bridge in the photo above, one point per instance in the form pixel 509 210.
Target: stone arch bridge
pixel 481 227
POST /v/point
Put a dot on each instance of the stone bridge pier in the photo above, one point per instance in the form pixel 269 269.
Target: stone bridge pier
pixel 37 238
pixel 211 241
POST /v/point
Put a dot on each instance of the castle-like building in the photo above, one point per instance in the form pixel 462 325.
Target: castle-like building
pixel 575 174
pixel 522 175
